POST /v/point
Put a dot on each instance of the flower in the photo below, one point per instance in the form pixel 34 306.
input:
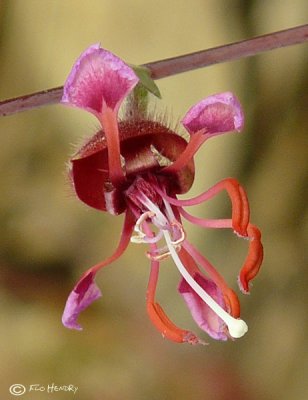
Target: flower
pixel 138 166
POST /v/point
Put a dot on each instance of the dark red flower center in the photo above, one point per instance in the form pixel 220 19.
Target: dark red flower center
pixel 146 147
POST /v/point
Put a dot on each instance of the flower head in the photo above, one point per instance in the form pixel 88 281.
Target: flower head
pixel 138 166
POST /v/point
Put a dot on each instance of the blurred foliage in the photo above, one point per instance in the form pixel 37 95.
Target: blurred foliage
pixel 48 238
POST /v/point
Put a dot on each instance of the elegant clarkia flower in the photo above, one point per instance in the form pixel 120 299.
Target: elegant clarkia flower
pixel 137 166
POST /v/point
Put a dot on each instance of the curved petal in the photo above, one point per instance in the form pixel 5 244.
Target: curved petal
pixel 215 114
pixel 205 318
pixel 83 294
pixel 86 290
pixel 98 79
pixel 88 172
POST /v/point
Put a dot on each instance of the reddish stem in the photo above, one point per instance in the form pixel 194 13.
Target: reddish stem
pixel 176 65
pixel 233 51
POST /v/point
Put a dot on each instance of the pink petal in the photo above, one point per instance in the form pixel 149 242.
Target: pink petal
pixel 98 79
pixel 215 114
pixel 83 294
pixel 206 319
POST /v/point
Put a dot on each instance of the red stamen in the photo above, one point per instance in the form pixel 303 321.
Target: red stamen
pixel 158 317
pixel 206 223
pixel 189 262
pixel 230 296
pixel 254 258
pixel 156 313
pixel 239 201
pixel 240 206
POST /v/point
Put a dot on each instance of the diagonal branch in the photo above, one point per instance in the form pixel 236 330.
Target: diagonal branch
pixel 233 51
pixel 176 65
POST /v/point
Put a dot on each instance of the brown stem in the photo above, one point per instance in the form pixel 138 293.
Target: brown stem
pixel 228 52
pixel 176 65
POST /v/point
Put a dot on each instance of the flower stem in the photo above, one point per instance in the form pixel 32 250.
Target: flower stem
pixel 176 65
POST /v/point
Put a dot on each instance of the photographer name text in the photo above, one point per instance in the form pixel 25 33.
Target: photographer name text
pixel 18 389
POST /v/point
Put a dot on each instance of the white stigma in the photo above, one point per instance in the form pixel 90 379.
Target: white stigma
pixel 237 327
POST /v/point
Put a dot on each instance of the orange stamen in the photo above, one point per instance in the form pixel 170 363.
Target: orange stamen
pixel 230 297
pixel 158 317
pixel 253 260
pixel 167 328
pixel 239 201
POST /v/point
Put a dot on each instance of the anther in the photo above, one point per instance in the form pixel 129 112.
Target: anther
pixel 183 234
pixel 141 236
pixel 158 257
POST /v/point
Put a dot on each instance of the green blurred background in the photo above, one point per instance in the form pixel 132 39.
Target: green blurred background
pixel 48 238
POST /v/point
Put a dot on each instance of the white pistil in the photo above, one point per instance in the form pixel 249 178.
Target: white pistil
pixel 237 327
pixel 161 220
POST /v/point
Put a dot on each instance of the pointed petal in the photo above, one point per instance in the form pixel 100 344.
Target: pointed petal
pixel 215 114
pixel 83 294
pixel 98 79
pixel 206 319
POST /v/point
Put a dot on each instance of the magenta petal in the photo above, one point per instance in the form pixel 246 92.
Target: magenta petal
pixel 98 79
pixel 206 319
pixel 83 294
pixel 215 114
